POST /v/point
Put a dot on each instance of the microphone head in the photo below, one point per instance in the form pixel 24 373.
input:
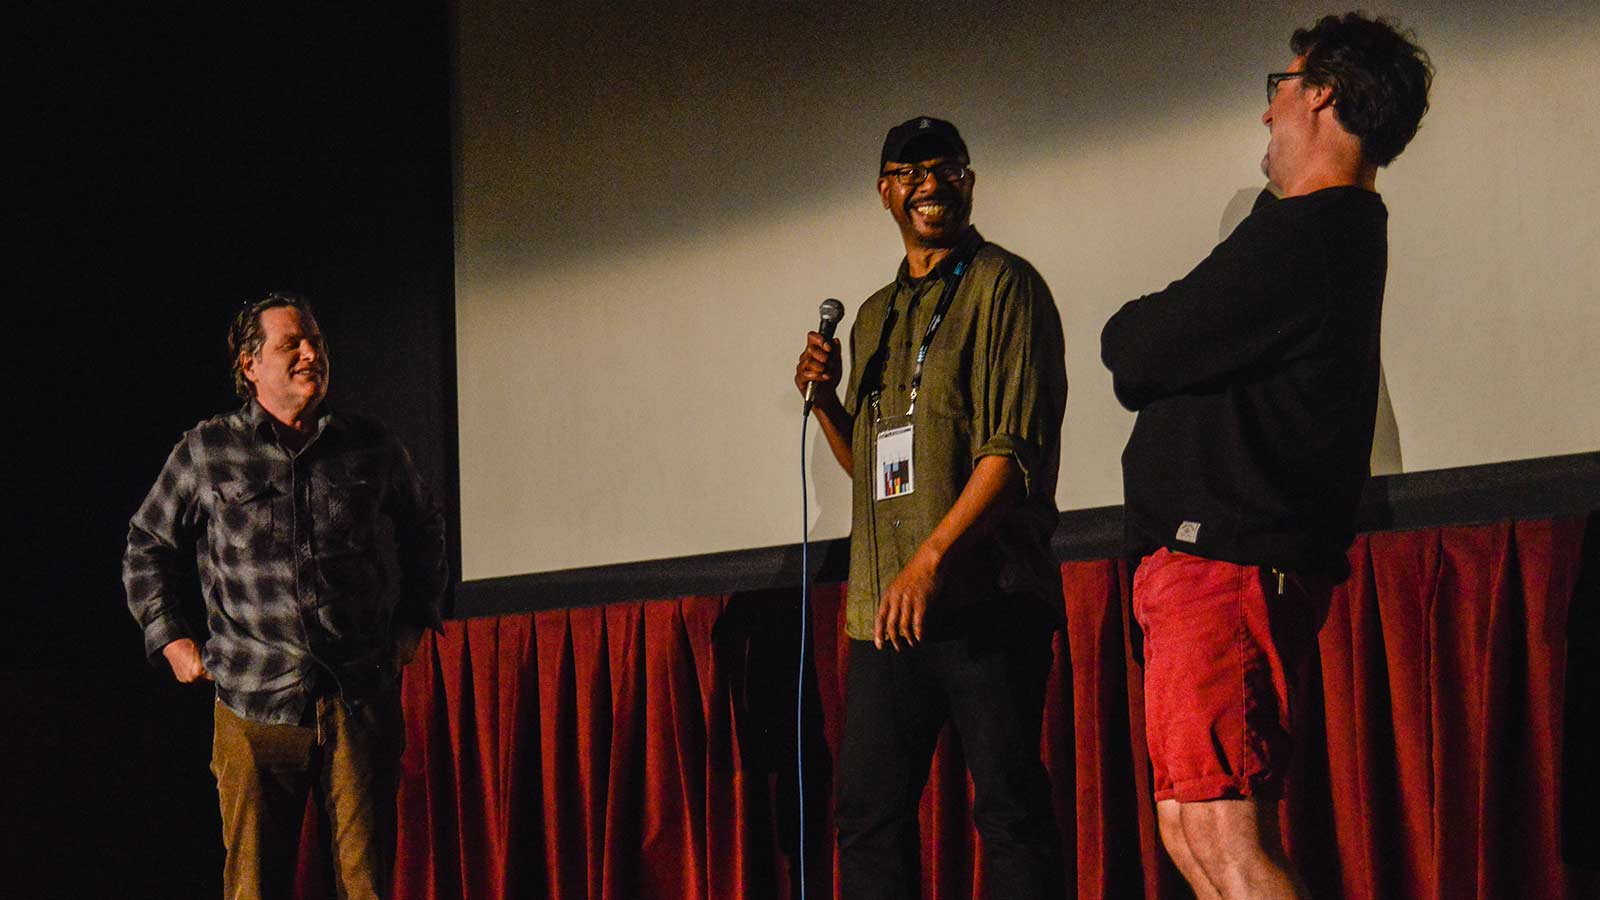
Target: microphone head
pixel 831 312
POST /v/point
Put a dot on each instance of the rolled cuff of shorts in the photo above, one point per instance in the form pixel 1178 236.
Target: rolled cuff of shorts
pixel 1223 787
pixel 160 632
pixel 1016 448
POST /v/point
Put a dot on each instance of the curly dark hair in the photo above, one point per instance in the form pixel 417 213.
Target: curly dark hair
pixel 1380 79
pixel 245 335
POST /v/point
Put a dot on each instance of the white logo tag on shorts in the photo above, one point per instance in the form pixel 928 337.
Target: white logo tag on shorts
pixel 1189 532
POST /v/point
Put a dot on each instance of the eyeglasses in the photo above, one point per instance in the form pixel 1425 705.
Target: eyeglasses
pixel 911 176
pixel 1274 77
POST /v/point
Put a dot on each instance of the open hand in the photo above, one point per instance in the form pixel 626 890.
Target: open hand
pixel 904 604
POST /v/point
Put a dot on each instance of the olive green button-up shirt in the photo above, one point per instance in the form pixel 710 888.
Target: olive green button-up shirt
pixel 994 384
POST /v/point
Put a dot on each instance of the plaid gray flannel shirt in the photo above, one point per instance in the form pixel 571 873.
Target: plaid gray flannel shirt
pixel 306 561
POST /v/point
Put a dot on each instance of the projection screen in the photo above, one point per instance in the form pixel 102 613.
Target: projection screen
pixel 651 201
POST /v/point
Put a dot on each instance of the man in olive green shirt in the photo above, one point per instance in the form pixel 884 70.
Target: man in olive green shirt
pixel 950 429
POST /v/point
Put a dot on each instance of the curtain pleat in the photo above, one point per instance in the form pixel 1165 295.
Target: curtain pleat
pixel 1100 799
pixel 621 752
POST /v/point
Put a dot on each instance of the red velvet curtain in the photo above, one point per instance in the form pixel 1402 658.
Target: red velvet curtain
pixel 596 752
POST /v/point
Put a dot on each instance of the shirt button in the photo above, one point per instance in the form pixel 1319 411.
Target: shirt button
pixel 902 387
pixel 896 523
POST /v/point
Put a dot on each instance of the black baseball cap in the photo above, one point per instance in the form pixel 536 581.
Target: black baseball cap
pixel 923 137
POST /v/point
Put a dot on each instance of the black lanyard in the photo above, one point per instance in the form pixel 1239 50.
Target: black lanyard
pixel 875 363
pixel 945 298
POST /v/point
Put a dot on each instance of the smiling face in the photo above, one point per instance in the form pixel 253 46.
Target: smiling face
pixel 289 371
pixel 932 213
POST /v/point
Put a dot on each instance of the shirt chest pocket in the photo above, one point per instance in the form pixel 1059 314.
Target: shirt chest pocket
pixel 346 510
pixel 245 516
pixel 947 388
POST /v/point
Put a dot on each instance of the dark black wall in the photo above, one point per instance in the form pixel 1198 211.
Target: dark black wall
pixel 176 160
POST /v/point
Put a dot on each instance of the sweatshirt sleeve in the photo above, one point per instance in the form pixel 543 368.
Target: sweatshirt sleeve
pixel 1250 301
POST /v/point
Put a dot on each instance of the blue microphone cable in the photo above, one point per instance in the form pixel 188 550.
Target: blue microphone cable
pixel 829 313
pixel 805 633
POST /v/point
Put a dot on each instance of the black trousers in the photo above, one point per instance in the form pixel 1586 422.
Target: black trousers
pixel 989 682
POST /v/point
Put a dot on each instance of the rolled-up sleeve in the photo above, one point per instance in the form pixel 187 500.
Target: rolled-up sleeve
pixel 851 401
pixel 1025 376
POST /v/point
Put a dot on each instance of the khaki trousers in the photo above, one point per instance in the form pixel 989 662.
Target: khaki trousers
pixel 349 760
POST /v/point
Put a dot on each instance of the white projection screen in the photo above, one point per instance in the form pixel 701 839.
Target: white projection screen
pixel 652 199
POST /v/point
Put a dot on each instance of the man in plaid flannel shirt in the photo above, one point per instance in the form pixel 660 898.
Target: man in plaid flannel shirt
pixel 299 519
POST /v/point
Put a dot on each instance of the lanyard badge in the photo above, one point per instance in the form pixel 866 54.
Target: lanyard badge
pixel 894 475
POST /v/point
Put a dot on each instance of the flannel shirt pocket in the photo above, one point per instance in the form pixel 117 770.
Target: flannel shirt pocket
pixel 244 516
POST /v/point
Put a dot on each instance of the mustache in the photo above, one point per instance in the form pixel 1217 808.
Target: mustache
pixel 948 196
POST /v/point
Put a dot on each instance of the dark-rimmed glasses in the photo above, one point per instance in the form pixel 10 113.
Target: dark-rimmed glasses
pixel 1274 77
pixel 911 176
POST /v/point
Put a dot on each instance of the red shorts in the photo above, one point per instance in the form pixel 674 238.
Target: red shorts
pixel 1222 650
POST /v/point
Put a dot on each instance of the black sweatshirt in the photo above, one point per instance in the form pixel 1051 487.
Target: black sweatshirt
pixel 1255 378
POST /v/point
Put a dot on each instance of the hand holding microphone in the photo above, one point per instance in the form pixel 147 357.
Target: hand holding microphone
pixel 820 361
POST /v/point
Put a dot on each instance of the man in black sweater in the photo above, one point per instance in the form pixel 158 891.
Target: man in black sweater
pixel 1255 378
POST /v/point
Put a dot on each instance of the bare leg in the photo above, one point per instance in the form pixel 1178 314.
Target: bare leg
pixel 1240 849
pixel 1171 822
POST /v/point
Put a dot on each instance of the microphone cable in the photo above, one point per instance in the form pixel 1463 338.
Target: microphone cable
pixel 829 313
pixel 805 633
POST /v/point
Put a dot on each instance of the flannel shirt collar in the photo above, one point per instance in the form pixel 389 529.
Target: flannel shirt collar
pixel 260 421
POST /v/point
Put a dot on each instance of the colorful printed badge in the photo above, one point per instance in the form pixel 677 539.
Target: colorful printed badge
pixel 895 475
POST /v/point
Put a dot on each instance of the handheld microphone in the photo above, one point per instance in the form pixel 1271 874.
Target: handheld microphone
pixel 831 311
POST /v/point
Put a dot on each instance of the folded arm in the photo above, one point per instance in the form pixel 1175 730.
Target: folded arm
pixel 1244 305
